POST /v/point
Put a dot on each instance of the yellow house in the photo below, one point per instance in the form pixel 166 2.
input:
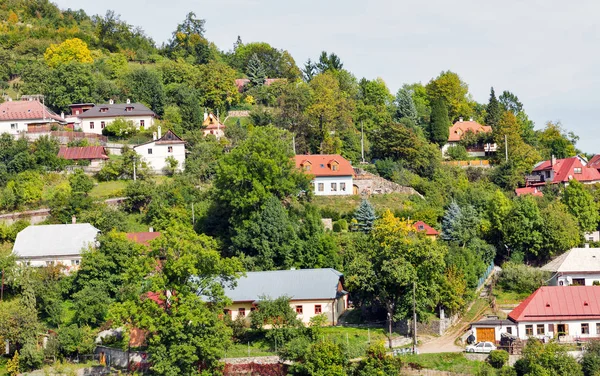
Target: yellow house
pixel 311 291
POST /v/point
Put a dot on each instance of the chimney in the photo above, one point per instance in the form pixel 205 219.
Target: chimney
pixel 73 219
pixel 62 115
pixel 151 229
pixel 110 101
pixel 128 101
pixel 552 160
pixel 470 119
pixel 154 136
pixel 159 133
pixel 460 119
pixel 205 116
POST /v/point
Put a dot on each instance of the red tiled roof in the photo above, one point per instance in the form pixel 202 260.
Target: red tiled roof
pixel 82 152
pixel 320 164
pixel 528 191
pixel 27 110
pixel 461 127
pixel 559 303
pixel 241 82
pixel 595 161
pixel 422 226
pixel 564 170
pixel 143 238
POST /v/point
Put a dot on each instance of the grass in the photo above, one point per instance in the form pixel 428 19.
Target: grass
pixel 478 307
pixel 504 298
pixel 449 362
pixel 348 204
pixel 107 189
pixel 244 121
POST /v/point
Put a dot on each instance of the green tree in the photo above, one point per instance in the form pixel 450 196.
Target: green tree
pixel 581 205
pixel 69 83
pixel 324 359
pixel 73 49
pixel 554 142
pixel 329 62
pixel 216 83
pixel 145 85
pixel 493 111
pixel 560 230
pixel 590 361
pixel 405 105
pixel 365 217
pixel 188 41
pixel 439 127
pixel 547 359
pixel 523 227
pixel 378 362
pixel 256 71
pixel 460 225
pixel 453 91
pixel 120 127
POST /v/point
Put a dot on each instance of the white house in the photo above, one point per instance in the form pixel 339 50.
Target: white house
pixel 332 173
pixel 19 116
pixel 45 245
pixel 311 292
pixel 156 152
pixel 491 329
pixel 579 267
pixel 458 131
pixel 95 119
pixel 212 126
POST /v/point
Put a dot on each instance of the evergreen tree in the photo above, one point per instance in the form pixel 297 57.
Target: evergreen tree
pixel 364 217
pixel 256 71
pixel 439 127
pixel 309 71
pixel 405 106
pixel 460 224
pixel 494 111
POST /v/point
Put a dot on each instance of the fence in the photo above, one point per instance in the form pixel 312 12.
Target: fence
pixel 65 137
pixel 474 163
pixel 485 275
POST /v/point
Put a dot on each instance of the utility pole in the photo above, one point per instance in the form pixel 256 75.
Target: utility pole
pixel 414 319
pixel 390 329
pixel 2 287
pixel 294 143
pixel 362 142
pixel 134 172
pixel 505 148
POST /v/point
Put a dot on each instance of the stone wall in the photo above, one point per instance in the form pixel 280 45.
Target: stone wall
pixel 239 113
pixel 122 359
pixel 369 184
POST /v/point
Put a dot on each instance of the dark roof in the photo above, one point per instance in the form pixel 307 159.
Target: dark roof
pixel 492 322
pixel 168 138
pixel 82 152
pixel 301 284
pixel 117 110
pixel 559 303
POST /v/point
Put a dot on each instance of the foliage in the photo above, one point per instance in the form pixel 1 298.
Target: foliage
pixel 546 359
pixel 76 340
pixel 70 50
pixel 31 357
pixel 378 362
pixel 439 125
pixel 453 91
pixel 493 112
pixel 521 278
pixel 405 105
pixel 145 85
pixel 170 165
pixel 256 71
pixel 457 153
pixel 581 205
pixel 590 361
pixel 120 127
pixel 554 141
pixel 365 217
pixel 322 358
pixel 498 358
pixel 12 366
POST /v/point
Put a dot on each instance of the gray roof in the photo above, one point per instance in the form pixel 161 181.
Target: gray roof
pixel 302 284
pixel 54 240
pixel 576 260
pixel 117 110
pixel 493 322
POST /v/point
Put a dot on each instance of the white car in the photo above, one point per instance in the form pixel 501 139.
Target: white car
pixel 481 347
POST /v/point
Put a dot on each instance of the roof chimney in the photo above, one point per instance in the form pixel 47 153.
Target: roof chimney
pixel 62 115
pixel 159 133
pixel 73 219
pixel 110 101
pixel 153 136
pixel 552 160
pixel 460 119
pixel 470 119
pixel 128 101
pixel 151 229
pixel 205 115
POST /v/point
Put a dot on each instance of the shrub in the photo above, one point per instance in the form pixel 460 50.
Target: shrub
pixel 521 278
pixel 457 153
pixel 120 128
pixel 498 358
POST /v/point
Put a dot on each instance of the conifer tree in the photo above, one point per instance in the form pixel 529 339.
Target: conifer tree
pixel 405 105
pixel 365 217
pixel 494 111
pixel 256 71
pixel 439 127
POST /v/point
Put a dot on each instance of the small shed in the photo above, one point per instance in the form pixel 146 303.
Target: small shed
pixel 491 329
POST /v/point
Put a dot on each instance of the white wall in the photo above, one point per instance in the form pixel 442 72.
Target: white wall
pixel 5 127
pixel 72 262
pixel 308 309
pixel 498 330
pixel 156 160
pixel 589 278
pixel 327 180
pixel 574 329
pixel 85 122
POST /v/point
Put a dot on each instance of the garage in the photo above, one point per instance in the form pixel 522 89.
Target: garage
pixel 486 334
pixel 490 329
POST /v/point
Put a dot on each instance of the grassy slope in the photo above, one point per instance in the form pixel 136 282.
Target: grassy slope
pixel 450 362
pixel 348 204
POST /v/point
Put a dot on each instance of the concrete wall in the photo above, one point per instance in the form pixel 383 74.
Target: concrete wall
pixel 32 216
pixel 327 181
pixel 156 155
pixel 86 126
pixel 7 126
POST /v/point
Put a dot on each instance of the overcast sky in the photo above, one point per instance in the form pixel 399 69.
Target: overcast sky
pixel 544 51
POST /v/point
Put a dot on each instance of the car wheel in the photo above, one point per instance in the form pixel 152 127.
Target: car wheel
pixel 470 350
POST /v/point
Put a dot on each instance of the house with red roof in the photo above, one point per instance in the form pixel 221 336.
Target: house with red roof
pixel 143 238
pixel 561 171
pixel 95 155
pixel 20 116
pixel 595 162
pixel 461 128
pixel 332 174
pixel 429 231
pixel 534 191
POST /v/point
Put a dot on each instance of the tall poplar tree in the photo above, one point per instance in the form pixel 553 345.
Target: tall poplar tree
pixel 439 126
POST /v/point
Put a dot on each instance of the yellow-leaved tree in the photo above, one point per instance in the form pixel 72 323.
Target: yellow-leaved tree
pixel 73 49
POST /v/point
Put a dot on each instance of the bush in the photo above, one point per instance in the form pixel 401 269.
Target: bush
pixel 31 358
pixel 521 278
pixel 120 128
pixel 498 358
pixel 457 153
pixel 340 226
pixel 507 371
pixel 590 362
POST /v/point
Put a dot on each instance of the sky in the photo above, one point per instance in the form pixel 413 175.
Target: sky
pixel 544 51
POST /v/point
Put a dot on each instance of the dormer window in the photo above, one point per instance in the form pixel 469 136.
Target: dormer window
pixel 421 227
pixel 104 109
pixel 129 109
pixel 322 165
pixel 577 170
pixel 306 167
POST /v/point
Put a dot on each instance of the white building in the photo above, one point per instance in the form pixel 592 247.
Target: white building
pixel 156 152
pixel 332 173
pixel 491 329
pixel 311 292
pixel 46 245
pixel 20 116
pixel 579 267
pixel 95 119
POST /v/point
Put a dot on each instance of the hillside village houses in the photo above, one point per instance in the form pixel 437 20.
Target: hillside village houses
pixel 561 171
pixel 157 151
pixel 212 126
pixel 332 173
pixel 311 292
pixel 577 267
pixel 25 115
pixel 460 129
pixel 93 155
pixel 45 245
pixel 95 118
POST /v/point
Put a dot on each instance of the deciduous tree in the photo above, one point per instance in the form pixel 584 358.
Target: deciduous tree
pixel 68 51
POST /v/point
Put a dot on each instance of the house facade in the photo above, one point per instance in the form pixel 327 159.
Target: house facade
pixel 429 231
pixel 491 329
pixel 156 152
pixel 577 267
pixel 332 174
pixel 561 171
pixel 462 128
pixel 311 292
pixel 45 245
pixel 20 116
pixel 212 126
pixel 95 119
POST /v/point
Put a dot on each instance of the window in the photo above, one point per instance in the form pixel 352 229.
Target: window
pixel 333 187
pixel 299 309
pixel 321 187
pixel 307 167
pixel 540 329
pixel 421 228
pixel 76 112
pixel 252 309
pixel 91 125
pixel 598 328
pixel 343 187
pixel 74 262
pixel 322 165
pixel 104 109
pixel 317 309
pixel 149 151
pixel 577 170
pixel 227 312
pixel 128 109
pixel 242 312
pixel 528 330
pixel 49 263
pixel 509 330
pixel 169 149
pixel 585 328
pixel 14 126
pixel 334 167
pixel 142 123
pixel 578 281
pixel 102 125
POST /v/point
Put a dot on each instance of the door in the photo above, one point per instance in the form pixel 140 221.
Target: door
pixel 355 189
pixel 561 329
pixel 486 334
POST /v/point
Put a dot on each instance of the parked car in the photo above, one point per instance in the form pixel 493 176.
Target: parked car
pixel 481 347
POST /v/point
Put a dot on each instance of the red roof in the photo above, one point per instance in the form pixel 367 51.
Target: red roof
pixel 322 165
pixel 82 152
pixel 559 303
pixel 564 170
pixel 27 110
pixel 422 226
pixel 143 238
pixel 528 191
pixel 241 82
pixel 461 127
pixel 595 161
